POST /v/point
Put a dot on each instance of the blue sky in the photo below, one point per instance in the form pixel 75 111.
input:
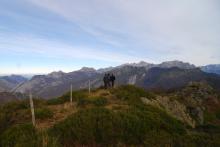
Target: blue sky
pixel 41 36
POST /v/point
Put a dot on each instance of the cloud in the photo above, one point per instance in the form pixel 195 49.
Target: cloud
pixel 185 30
pixel 42 47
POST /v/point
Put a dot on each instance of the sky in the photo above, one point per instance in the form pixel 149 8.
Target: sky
pixel 41 36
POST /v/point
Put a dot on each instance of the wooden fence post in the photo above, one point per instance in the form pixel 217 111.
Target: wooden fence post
pixel 32 109
pixel 71 93
pixel 89 87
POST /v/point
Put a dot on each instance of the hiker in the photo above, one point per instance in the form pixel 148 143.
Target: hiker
pixel 108 80
pixel 112 80
pixel 105 80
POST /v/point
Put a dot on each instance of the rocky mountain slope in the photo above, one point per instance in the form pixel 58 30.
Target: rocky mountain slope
pixel 56 83
pixel 164 76
pixel 9 96
pixel 7 83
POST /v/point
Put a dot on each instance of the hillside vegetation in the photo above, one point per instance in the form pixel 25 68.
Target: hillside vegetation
pixel 123 116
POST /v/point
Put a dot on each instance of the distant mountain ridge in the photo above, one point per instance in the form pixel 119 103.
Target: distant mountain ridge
pixel 212 68
pixel 54 84
pixel 167 64
pixel 166 76
pixel 7 83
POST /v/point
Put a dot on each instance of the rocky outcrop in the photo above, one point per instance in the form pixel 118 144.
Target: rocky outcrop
pixel 173 107
pixel 132 79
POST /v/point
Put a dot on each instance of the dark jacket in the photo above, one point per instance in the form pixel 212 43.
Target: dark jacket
pixel 112 78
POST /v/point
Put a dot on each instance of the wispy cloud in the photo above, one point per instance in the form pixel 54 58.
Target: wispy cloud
pixel 175 29
pixel 53 49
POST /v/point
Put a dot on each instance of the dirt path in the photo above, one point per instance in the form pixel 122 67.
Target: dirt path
pixel 60 112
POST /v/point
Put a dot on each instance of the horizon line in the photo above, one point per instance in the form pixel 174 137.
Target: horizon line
pixel 65 71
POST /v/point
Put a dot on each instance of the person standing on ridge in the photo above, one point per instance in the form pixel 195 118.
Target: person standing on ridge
pixel 108 80
pixel 105 80
pixel 112 79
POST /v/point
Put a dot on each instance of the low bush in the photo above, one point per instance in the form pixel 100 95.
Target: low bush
pixel 197 139
pixel 100 101
pixel 57 101
pixel 82 102
pixel 97 101
pixel 102 126
pixel 20 136
pixel 76 95
pixel 86 127
pixel 209 117
pixel 13 113
pixel 218 114
pixel 131 93
pixel 43 113
pixel 25 135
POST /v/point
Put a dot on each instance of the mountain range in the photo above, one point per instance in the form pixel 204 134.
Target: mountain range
pixel 165 76
pixel 213 68
pixel 7 83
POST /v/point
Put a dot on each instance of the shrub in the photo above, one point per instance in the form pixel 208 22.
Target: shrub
pixel 218 114
pixel 209 117
pixel 16 105
pixel 97 101
pixel 86 127
pixel 13 113
pixel 56 101
pixel 76 95
pixel 82 102
pixel 4 121
pixel 100 101
pixel 43 113
pixel 48 141
pixel 131 94
pixel 102 126
pixel 25 135
pixel 198 139
pixel 20 135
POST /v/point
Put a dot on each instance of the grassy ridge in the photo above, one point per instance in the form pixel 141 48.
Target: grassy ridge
pixel 114 117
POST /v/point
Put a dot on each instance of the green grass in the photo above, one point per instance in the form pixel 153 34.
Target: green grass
pixel 43 113
pixel 100 101
pixel 103 126
pixel 20 136
pixel 95 101
pixel 25 135
pixel 57 101
pixel 218 114
pixel 131 94
pixel 136 124
pixel 76 95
